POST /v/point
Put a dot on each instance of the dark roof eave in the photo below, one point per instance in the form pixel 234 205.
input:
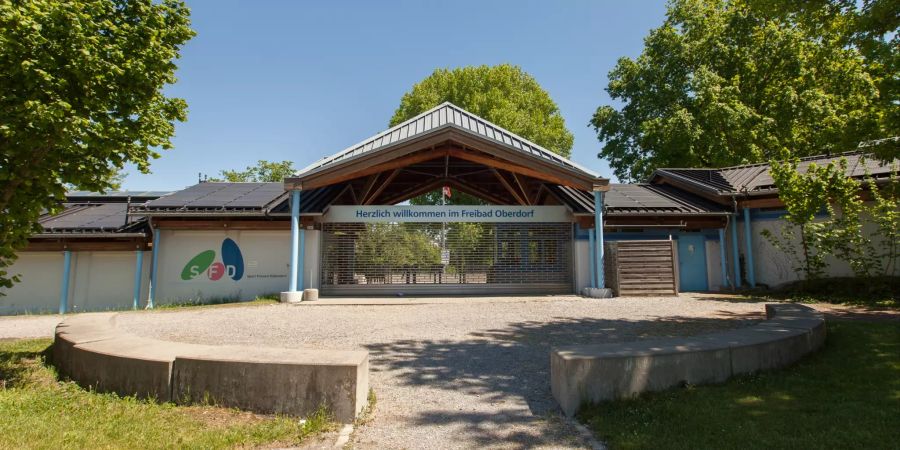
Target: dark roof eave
pixel 654 213
pixel 81 234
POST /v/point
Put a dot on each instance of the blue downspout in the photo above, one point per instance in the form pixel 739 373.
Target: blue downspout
pixel 748 237
pixel 154 264
pixel 138 268
pixel 593 282
pixel 598 227
pixel 64 286
pixel 734 253
pixel 722 257
pixel 295 238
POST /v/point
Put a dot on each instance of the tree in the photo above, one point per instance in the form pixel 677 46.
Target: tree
pixel 827 215
pixel 263 171
pixel 503 94
pixel 732 82
pixel 82 96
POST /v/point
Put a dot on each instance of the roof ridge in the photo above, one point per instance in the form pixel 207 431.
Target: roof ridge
pixel 389 130
pixel 450 123
pixel 547 151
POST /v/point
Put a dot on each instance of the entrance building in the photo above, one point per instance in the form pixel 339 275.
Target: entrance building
pixel 519 239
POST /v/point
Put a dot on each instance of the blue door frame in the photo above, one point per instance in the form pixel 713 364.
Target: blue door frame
pixel 692 263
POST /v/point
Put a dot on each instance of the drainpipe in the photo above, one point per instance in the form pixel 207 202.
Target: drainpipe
pixel 598 227
pixel 748 237
pixel 722 256
pixel 153 269
pixel 64 285
pixel 295 238
pixel 593 282
pixel 734 248
pixel 138 269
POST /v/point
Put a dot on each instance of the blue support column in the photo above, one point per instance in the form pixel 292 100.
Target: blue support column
pixel 593 282
pixel 734 252
pixel 138 269
pixel 295 240
pixel 598 242
pixel 722 257
pixel 748 238
pixel 154 264
pixel 64 285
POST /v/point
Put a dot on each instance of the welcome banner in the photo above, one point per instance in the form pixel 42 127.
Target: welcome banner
pixel 449 213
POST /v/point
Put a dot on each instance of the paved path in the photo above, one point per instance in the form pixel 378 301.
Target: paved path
pixel 449 373
pixel 454 374
pixel 18 327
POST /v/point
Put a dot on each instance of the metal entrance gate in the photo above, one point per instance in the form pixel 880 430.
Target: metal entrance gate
pixel 448 258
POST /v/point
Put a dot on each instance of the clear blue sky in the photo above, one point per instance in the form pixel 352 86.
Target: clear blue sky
pixel 291 80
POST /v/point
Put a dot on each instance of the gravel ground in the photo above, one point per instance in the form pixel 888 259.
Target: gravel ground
pixel 17 327
pixel 454 374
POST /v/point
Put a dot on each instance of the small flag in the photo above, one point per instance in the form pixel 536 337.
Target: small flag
pixel 447 191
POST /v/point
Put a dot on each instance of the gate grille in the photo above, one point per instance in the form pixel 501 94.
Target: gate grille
pixel 446 258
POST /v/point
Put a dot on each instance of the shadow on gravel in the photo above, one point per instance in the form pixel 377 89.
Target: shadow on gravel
pixel 512 364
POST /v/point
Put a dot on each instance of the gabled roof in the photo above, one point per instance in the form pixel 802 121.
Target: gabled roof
pixel 755 178
pixel 638 199
pixel 441 117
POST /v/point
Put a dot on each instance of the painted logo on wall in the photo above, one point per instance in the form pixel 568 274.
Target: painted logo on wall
pixel 231 264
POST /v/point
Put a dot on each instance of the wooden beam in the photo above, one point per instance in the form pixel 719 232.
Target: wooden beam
pixel 539 167
pixel 476 191
pixel 415 191
pixel 761 203
pixel 522 188
pixel 378 190
pixel 215 224
pixel 510 167
pixel 509 187
pixel 368 186
pixel 83 245
pixel 412 153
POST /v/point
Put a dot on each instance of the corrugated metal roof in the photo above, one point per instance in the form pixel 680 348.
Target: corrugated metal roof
pixel 756 177
pixel 638 199
pixel 443 116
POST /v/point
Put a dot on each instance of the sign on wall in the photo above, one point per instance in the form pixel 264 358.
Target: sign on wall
pixel 449 213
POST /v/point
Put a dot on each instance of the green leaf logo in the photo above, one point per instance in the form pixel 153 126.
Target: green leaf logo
pixel 198 264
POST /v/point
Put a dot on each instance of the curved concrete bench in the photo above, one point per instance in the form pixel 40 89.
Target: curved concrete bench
pixel 91 351
pixel 593 373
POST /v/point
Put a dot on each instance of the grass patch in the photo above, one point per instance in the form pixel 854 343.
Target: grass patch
pixel 881 292
pixel 847 395
pixel 270 299
pixel 37 411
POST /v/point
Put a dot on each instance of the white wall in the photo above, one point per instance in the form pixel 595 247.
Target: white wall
pixel 311 264
pixel 98 281
pixel 104 280
pixel 39 289
pixel 582 264
pixel 266 256
pixel 713 266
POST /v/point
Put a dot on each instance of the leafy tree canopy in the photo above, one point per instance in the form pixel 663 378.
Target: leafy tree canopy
pixel 82 96
pixel 263 171
pixel 503 94
pixel 730 82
